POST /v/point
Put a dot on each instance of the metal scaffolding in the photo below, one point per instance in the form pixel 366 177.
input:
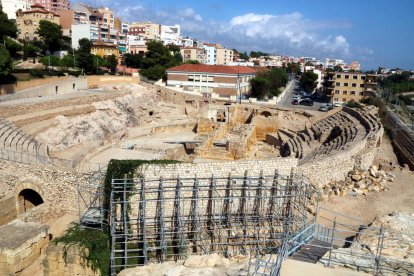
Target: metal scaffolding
pixel 155 220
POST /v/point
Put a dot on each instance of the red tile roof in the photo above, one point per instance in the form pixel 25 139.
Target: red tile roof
pixel 218 69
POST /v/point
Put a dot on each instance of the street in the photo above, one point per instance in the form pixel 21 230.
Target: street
pixel 286 101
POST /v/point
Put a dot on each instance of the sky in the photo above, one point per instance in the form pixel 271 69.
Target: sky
pixel 373 32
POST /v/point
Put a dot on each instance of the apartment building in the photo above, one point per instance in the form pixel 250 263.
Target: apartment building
pixel 223 80
pixel 97 25
pixel 210 54
pixel 28 21
pixel 147 30
pixel 224 56
pixel 51 5
pixel 10 7
pixel 345 87
pixel 170 34
pixel 193 53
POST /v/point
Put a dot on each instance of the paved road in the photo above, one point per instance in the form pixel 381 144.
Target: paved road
pixel 286 101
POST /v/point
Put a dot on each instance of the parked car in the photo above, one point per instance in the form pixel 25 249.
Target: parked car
pixel 329 106
pixel 295 101
pixel 307 102
pixel 296 97
pixel 323 108
pixel 337 104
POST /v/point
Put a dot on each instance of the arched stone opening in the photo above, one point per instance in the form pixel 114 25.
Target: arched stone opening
pixel 266 114
pixel 28 199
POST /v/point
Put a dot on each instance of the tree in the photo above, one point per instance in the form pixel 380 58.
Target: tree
pixel 6 65
pixel 84 56
pixel 293 68
pixel 308 81
pixel 53 60
pixel 111 62
pixel 338 68
pixel 192 62
pixel 244 56
pixel 174 48
pixel 12 46
pixel 133 60
pixel 258 54
pixel 259 86
pixel 68 61
pixel 7 26
pixel 154 72
pixel 157 59
pixel 51 33
pixel 30 50
pixel 268 83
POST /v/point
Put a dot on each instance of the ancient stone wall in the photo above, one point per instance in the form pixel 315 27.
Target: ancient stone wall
pixel 8 210
pixel 219 169
pixel 56 187
pixel 57 262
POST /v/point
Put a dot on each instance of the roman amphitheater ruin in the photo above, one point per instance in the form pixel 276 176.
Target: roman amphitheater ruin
pixel 248 180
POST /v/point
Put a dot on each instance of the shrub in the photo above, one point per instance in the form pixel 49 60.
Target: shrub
pixel 37 73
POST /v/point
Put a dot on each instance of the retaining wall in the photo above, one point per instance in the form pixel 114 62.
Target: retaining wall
pixel 55 87
pixel 95 81
pixel 21 85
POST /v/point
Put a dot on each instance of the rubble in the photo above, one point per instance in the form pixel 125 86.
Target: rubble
pixel 358 183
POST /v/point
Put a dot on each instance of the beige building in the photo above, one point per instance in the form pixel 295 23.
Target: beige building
pixel 224 56
pixel 146 30
pixel 223 80
pixel 192 53
pixel 350 87
pixel 28 21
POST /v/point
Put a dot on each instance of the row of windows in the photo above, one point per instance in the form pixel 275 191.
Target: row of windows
pixel 343 100
pixel 201 78
pixel 337 92
pixel 355 77
pixel 352 84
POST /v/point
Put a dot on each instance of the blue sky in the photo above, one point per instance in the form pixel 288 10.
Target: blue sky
pixel 376 33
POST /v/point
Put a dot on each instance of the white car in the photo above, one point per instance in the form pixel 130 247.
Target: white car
pixel 296 97
pixel 337 104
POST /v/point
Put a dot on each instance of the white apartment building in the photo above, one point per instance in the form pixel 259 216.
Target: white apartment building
pixel 171 34
pixel 10 7
pixel 210 54
pixel 80 31
pixel 187 42
pixel 331 62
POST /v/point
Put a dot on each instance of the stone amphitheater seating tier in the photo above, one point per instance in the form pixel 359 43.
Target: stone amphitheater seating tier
pixel 349 121
pixel 14 139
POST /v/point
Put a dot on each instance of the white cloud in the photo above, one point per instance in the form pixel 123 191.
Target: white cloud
pixel 290 33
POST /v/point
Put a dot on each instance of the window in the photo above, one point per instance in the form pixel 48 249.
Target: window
pixel 345 84
pixel 355 77
pixel 338 84
pixel 336 91
pixel 345 92
pixel 361 93
pixel 346 76
pixel 338 76
pixel 362 77
pixel 336 99
pixel 352 92
pixel 354 85
pixel 361 85
pixel 190 78
pixel 344 99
